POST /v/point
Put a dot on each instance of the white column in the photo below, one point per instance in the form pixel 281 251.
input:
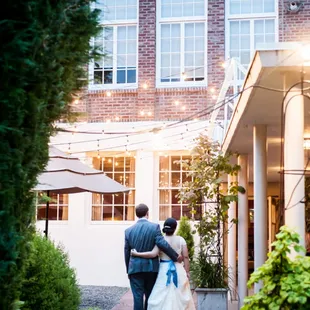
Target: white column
pixel 232 243
pixel 145 181
pixel 243 230
pixel 260 197
pixel 294 184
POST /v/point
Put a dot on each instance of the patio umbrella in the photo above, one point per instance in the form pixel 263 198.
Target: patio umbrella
pixel 67 175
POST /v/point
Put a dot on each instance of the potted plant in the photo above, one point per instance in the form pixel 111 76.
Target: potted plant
pixel 286 282
pixel 204 192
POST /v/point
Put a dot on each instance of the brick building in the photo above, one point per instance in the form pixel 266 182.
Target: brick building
pixel 154 91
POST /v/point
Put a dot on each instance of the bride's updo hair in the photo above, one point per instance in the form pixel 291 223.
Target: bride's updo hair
pixel 170 226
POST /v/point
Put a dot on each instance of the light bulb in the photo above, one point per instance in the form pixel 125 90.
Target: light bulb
pixel 176 102
pixel 184 108
pixel 145 86
pixel 149 113
pixel 117 118
pixel 108 121
pixel 141 113
pixel 213 97
pixel 76 101
pixel 109 94
pixel 212 90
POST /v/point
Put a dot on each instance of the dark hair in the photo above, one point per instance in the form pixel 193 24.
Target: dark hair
pixel 170 226
pixel 141 210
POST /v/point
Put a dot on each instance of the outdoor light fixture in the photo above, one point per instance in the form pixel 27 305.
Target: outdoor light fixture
pixel 307 144
pixel 294 6
pixel 305 52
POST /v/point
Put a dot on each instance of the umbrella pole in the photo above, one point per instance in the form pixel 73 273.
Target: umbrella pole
pixel 47 214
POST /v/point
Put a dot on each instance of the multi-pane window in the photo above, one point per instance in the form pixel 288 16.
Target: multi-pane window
pixel 121 206
pixel 118 42
pixel 171 177
pixel 251 6
pixel 58 207
pixel 250 22
pixel 182 42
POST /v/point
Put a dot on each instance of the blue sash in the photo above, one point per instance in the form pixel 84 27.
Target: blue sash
pixel 172 272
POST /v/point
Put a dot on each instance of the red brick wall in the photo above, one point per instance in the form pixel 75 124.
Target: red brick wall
pixel 294 26
pixel 128 104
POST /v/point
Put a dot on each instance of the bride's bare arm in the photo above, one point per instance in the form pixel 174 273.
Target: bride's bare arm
pixel 149 254
pixel 185 259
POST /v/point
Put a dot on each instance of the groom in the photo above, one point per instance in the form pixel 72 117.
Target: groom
pixel 142 272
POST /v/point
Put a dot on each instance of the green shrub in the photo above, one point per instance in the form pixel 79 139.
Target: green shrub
pixel 185 231
pixel 286 282
pixel 44 48
pixel 50 283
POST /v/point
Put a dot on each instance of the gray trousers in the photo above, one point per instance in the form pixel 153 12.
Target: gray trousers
pixel 141 285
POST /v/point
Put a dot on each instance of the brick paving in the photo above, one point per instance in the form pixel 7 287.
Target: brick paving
pixel 126 303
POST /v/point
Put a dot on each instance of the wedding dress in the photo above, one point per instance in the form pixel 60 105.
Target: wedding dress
pixel 172 289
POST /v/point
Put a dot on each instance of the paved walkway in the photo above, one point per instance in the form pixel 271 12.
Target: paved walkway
pixel 126 303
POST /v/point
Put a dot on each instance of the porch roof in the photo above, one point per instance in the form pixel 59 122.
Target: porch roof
pixel 271 74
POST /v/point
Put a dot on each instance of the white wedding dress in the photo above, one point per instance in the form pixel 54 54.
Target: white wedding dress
pixel 174 294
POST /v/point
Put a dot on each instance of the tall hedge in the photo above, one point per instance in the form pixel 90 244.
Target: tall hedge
pixel 44 48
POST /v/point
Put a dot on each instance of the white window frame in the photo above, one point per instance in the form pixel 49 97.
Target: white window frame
pixel 114 24
pixel 113 204
pixel 169 187
pixel 179 20
pixel 248 17
pixel 53 204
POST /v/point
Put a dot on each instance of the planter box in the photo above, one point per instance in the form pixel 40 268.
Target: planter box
pixel 212 298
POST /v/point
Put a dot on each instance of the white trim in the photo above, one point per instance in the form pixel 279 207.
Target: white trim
pixel 181 21
pixel 114 24
pixel 251 17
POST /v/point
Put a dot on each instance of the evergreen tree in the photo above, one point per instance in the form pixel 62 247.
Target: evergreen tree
pixel 185 231
pixel 44 48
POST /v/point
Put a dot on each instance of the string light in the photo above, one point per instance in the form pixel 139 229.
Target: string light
pixel 76 101
pixel 213 97
pixel 109 94
pixel 177 102
pixel 108 121
pixel 184 75
pixel 98 145
pixel 117 118
pixel 142 113
pixel 212 90
pixel 184 108
pixel 145 86
pixel 149 113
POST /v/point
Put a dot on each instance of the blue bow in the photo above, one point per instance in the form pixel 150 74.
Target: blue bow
pixel 172 272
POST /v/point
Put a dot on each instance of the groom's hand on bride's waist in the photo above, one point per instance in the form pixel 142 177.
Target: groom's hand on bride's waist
pixel 180 259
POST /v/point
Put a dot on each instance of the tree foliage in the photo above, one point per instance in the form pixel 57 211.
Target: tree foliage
pixel 185 231
pixel 44 46
pixel 207 171
pixel 50 283
pixel 286 281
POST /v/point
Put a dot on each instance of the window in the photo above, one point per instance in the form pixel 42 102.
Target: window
pixel 115 207
pixel 250 22
pixel 182 48
pixel 118 41
pixel 171 177
pixel 58 207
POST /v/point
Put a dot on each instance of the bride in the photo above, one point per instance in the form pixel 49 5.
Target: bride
pixel 172 289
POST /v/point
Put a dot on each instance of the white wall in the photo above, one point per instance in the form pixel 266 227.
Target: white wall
pixel 96 248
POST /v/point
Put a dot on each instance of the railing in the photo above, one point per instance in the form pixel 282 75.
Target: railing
pixel 224 106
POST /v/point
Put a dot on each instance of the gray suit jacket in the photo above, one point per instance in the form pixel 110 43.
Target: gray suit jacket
pixel 143 236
